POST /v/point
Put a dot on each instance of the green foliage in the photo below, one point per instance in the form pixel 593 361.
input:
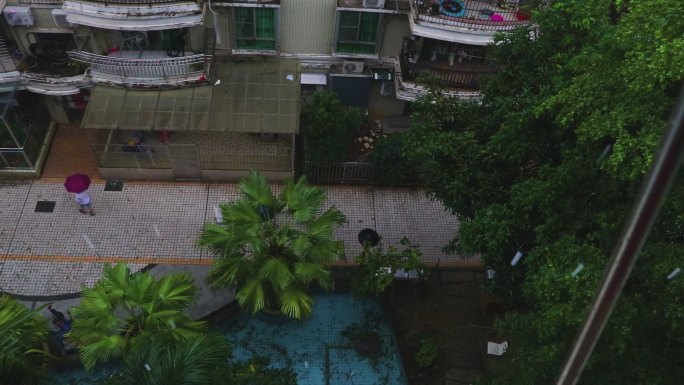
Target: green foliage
pixel 392 166
pixel 527 169
pixel 160 360
pixel 376 268
pixel 328 127
pixel 272 248
pixel 22 332
pixel 428 352
pixel 125 306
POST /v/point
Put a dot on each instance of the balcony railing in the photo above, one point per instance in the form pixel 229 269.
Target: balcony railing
pixel 42 2
pixel 454 65
pixel 153 71
pixel 7 63
pixel 479 15
pixel 129 2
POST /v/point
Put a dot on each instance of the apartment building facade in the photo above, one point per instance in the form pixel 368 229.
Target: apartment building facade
pixel 209 89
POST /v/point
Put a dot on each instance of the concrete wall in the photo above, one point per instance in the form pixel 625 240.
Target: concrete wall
pixel 396 28
pixel 307 26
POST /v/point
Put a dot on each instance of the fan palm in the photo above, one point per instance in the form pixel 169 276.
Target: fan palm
pixel 123 306
pixel 22 331
pixel 272 248
pixel 158 360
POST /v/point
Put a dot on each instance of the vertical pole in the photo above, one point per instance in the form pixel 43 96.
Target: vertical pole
pixel 653 191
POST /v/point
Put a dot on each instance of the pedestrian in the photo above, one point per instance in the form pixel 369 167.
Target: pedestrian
pixel 83 199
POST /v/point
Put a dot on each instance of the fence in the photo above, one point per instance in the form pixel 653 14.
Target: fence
pixel 346 172
pixel 157 156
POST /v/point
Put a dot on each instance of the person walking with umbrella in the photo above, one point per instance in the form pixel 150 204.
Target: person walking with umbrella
pixel 79 183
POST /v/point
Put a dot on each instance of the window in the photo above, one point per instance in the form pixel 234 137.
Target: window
pixel 357 32
pixel 255 28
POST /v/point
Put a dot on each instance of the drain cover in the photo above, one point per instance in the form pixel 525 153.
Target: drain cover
pixel 114 185
pixel 45 206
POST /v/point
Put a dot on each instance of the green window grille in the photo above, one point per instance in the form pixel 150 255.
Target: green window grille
pixel 357 32
pixel 255 28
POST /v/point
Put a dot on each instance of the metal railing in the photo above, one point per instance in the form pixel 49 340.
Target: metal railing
pixel 345 172
pixel 50 2
pixel 7 63
pixel 126 70
pixel 481 15
pixel 157 156
pixel 456 78
pixel 127 2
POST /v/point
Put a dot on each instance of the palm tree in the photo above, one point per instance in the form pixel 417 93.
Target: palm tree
pixel 124 306
pixel 272 248
pixel 156 360
pixel 22 332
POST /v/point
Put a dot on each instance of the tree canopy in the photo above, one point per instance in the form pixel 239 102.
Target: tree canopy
pixel 549 164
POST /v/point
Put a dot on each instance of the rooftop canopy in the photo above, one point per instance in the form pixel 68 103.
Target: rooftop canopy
pixel 249 95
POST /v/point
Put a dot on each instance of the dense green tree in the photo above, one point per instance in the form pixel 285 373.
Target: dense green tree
pixel 23 333
pixel 125 306
pixel 549 164
pixel 328 127
pixel 272 248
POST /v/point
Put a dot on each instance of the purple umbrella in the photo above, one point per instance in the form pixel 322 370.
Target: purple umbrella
pixel 77 183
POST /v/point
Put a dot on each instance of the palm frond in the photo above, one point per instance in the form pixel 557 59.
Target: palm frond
pixel 177 289
pixel 301 200
pixel 227 272
pixel 295 303
pixel 257 190
pixel 306 272
pixel 103 350
pixel 21 333
pixel 277 272
pixel 160 361
pixel 252 295
pixel 324 224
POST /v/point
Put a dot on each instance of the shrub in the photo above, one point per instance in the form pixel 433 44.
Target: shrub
pixel 428 352
pixel 391 165
pixel 328 127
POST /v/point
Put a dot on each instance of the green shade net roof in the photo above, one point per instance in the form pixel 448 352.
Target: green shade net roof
pixel 253 96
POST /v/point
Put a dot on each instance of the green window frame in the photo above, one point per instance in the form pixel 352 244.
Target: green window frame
pixel 255 28
pixel 357 32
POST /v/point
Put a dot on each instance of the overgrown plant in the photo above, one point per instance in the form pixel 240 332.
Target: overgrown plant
pixel 390 162
pixel 273 248
pixel 328 127
pixel 22 334
pixel 428 352
pixel 124 306
pixel 377 267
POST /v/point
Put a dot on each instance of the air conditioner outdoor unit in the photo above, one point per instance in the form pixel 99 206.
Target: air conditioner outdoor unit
pixel 352 67
pixel 374 3
pixel 59 16
pixel 18 15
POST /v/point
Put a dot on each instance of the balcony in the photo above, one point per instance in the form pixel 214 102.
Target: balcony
pixel 381 6
pixel 145 69
pixel 457 67
pixel 134 15
pixel 466 21
pixel 148 59
pixel 8 67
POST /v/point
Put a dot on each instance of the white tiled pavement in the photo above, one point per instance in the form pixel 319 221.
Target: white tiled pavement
pixel 48 254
